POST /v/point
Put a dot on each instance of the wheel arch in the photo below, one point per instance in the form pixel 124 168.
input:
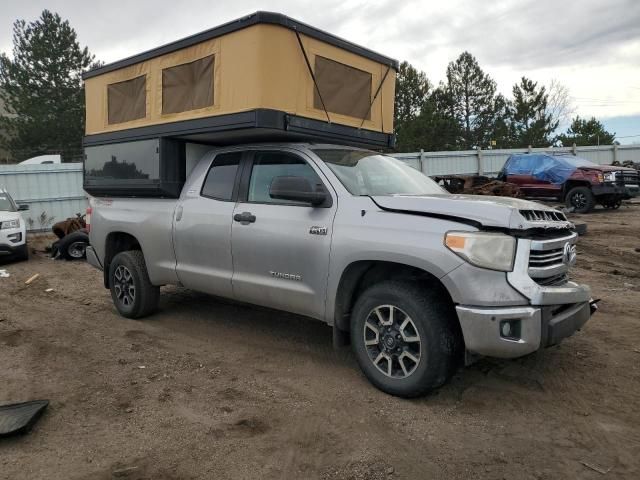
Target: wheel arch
pixel 569 184
pixel 361 274
pixel 115 243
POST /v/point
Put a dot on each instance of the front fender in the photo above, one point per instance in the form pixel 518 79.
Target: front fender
pixel 377 235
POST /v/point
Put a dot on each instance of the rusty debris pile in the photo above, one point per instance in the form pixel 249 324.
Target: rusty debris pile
pixel 477 185
pixel 626 163
pixel 70 225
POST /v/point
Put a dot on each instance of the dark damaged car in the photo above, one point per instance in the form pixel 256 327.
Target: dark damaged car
pixel 579 183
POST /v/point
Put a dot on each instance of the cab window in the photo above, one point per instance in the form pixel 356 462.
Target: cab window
pixel 221 178
pixel 268 165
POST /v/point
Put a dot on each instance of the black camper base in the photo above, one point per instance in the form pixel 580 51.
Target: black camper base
pixel 252 126
pixel 150 161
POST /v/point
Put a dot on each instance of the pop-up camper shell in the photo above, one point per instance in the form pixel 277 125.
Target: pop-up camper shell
pixel 264 77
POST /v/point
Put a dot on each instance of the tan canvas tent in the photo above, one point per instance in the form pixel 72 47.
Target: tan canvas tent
pixel 262 76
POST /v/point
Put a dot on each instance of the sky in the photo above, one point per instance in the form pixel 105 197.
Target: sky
pixel 590 46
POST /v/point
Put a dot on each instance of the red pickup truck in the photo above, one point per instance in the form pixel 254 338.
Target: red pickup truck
pixel 578 182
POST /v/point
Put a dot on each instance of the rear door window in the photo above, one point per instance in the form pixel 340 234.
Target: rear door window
pixel 221 178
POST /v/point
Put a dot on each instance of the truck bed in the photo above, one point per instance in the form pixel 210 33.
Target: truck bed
pixel 148 220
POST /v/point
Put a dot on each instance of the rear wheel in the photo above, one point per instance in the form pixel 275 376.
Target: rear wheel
pixel 581 199
pixel 131 290
pixel 405 338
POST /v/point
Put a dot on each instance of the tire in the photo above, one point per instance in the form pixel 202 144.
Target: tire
pixel 581 199
pixel 612 204
pixel 73 246
pixel 432 320
pixel 23 253
pixel 128 270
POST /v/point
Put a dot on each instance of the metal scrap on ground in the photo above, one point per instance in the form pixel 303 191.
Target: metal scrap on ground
pixel 20 417
pixel 477 185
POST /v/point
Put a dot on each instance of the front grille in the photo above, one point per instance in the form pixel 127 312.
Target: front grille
pixel 545 258
pixel 628 178
pixel 554 281
pixel 543 215
pixel 547 262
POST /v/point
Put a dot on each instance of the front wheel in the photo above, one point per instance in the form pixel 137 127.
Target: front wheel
pixel 405 338
pixel 131 290
pixel 581 199
pixel 23 253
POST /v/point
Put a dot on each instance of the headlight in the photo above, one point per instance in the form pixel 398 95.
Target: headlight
pixel 11 224
pixel 610 177
pixel 494 251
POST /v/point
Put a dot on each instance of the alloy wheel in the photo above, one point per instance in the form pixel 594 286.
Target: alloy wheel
pixel 392 341
pixel 579 200
pixel 124 286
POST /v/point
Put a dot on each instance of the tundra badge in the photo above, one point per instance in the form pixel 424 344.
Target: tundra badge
pixel 286 276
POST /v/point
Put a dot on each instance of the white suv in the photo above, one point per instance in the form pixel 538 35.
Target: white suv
pixel 13 234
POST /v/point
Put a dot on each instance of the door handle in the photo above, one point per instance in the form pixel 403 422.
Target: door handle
pixel 245 218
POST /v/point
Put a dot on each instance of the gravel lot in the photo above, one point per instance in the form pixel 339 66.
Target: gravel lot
pixel 211 389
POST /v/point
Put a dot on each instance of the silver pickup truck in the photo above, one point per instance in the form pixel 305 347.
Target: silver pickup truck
pixel 416 279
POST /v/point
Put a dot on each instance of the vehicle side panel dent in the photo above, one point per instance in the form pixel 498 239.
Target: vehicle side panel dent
pixel 386 237
pixel 470 285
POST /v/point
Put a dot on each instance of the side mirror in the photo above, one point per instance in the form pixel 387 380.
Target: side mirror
pixel 23 207
pixel 297 189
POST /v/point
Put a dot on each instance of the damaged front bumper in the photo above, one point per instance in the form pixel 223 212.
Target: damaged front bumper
pixel 517 331
pixel 551 313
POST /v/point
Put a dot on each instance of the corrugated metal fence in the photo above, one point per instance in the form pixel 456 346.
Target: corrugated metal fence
pixel 489 162
pixel 52 191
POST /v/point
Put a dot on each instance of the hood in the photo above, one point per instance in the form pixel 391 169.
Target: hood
pixel 478 210
pixel 608 168
pixel 5 215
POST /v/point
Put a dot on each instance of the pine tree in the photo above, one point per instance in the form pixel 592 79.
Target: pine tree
pixel 41 86
pixel 472 94
pixel 586 132
pixel 432 130
pixel 533 124
pixel 412 90
pixel 502 128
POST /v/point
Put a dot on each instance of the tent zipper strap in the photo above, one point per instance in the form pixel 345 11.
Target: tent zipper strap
pixel 376 96
pixel 313 77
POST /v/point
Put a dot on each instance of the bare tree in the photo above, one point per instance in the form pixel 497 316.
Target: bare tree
pixel 559 103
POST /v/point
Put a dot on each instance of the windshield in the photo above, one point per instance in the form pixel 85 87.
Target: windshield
pixel 369 173
pixel 6 203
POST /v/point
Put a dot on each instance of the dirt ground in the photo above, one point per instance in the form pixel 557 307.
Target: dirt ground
pixel 211 389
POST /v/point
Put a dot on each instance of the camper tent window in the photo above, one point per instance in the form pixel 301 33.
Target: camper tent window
pixel 344 89
pixel 127 100
pixel 188 86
